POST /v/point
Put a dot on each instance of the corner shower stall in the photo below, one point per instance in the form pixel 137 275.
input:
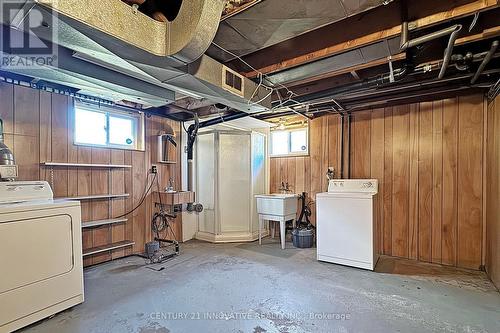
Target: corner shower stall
pixel 230 170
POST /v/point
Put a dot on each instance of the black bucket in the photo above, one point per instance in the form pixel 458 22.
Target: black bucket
pixel 302 238
pixel 152 248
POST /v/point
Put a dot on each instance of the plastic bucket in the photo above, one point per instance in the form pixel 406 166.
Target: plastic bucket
pixel 302 238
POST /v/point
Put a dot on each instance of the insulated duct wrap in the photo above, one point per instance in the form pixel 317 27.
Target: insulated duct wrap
pixel 110 49
pixel 185 38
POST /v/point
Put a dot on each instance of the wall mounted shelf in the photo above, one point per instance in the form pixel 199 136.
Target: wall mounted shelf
pixel 86 165
pixel 98 223
pixel 109 247
pixel 175 198
pixel 97 197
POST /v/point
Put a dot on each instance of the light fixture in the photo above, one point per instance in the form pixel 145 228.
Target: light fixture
pixel 282 124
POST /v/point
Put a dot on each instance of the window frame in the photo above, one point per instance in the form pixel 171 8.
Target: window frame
pixel 137 123
pixel 290 153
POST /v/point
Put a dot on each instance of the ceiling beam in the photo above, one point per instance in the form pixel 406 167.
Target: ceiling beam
pixel 486 33
pixel 238 8
pixel 455 13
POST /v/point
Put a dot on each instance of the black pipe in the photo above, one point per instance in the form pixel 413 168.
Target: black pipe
pixel 192 134
pixel 193 129
pixel 403 87
pixel 1 130
pixel 399 74
pixel 349 121
pixel 342 124
pixel 401 99
pixel 485 61
pixel 448 51
pixel 219 120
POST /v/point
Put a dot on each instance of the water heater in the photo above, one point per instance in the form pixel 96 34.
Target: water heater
pixel 8 168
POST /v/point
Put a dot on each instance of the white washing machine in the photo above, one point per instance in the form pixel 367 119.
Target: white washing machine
pixel 346 225
pixel 41 269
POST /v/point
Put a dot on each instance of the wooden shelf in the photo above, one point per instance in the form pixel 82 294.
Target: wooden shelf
pixel 96 197
pixel 109 247
pixel 92 224
pixel 176 198
pixel 85 165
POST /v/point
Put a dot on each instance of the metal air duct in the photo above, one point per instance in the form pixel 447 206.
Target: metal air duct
pixel 166 56
pixel 182 40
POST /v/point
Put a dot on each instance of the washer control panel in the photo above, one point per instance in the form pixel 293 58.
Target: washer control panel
pixel 25 191
pixel 353 185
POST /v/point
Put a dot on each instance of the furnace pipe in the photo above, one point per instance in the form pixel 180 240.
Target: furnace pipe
pixel 342 124
pixel 485 61
pixel 453 31
pixel 406 43
pixel 449 50
pixel 192 134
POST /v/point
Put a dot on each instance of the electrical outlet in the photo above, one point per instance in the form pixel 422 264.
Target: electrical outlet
pixel 154 169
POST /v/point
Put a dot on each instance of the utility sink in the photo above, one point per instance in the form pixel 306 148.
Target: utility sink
pixel 277 204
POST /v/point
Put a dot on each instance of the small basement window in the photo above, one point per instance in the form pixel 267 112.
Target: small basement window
pixel 291 142
pixel 108 127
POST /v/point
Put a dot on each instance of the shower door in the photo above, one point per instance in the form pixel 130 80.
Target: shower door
pixel 234 182
pixel 206 182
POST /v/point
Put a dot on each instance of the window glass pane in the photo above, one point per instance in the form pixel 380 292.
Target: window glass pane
pixel 298 141
pixel 121 131
pixel 90 127
pixel 279 142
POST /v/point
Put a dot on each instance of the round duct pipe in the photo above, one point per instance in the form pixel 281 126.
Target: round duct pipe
pixel 128 33
pixel 163 11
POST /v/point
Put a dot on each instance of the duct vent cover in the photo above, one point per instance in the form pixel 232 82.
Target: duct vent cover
pixel 232 81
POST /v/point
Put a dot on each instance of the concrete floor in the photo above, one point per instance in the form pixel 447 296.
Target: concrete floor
pixel 252 288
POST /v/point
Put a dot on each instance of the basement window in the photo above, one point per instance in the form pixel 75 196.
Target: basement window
pixel 108 127
pixel 291 142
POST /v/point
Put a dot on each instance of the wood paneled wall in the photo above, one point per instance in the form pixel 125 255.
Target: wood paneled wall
pixel 38 127
pixel 493 193
pixel 428 158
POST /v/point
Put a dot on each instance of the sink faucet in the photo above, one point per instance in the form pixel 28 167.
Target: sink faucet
pixel 285 188
pixel 170 187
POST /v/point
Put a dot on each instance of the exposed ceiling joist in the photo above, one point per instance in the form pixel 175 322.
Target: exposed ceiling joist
pixel 486 33
pixel 428 21
pixel 234 7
